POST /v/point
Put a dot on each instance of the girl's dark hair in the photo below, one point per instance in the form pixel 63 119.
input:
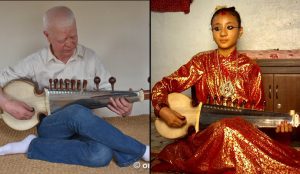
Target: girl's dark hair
pixel 230 10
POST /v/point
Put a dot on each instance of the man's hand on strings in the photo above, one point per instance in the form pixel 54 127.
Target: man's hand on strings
pixel 18 109
pixel 120 106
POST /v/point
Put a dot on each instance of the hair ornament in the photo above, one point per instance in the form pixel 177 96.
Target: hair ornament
pixel 218 7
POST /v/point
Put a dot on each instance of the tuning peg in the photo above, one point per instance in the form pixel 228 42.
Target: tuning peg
pixel 229 102
pixel 225 101
pixel 78 85
pixel 222 100
pixel 84 84
pixel 67 81
pixel 243 103
pixel 215 99
pixel 235 103
pixel 208 99
pixel 97 82
pixel 55 83
pixel 112 81
pixel 61 84
pixel 50 84
pixel 73 84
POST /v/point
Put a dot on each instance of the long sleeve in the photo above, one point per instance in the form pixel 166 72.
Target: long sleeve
pixel 183 78
pixel 256 93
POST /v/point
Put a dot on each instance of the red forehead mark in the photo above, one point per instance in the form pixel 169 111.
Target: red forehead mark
pixel 223 13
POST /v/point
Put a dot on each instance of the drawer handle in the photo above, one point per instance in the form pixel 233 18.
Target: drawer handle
pixel 278 106
pixel 276 91
pixel 270 91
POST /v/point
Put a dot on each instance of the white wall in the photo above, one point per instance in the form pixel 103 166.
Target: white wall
pixel 176 37
pixel 118 31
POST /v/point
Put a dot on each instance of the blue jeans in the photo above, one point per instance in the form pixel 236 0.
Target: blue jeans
pixel 75 135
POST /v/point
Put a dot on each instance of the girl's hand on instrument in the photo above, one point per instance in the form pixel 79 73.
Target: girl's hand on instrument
pixel 18 109
pixel 120 106
pixel 283 127
pixel 172 118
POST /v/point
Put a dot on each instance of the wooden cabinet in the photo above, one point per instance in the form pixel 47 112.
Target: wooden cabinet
pixel 282 92
pixel 281 81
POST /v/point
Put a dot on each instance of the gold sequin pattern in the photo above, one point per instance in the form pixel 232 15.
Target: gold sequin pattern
pixel 229 146
pixel 207 71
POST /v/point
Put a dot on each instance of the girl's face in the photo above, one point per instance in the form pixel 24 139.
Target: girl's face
pixel 226 31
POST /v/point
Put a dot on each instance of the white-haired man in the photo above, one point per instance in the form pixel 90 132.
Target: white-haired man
pixel 72 135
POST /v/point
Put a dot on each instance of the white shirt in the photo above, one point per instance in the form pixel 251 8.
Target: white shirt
pixel 43 65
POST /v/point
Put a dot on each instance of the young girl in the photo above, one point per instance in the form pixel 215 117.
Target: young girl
pixel 229 145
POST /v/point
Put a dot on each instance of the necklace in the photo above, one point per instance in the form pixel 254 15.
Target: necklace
pixel 226 87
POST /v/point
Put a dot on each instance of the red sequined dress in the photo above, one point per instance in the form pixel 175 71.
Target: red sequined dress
pixel 229 145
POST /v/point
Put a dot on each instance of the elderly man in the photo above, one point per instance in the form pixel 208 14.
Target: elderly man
pixel 72 135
